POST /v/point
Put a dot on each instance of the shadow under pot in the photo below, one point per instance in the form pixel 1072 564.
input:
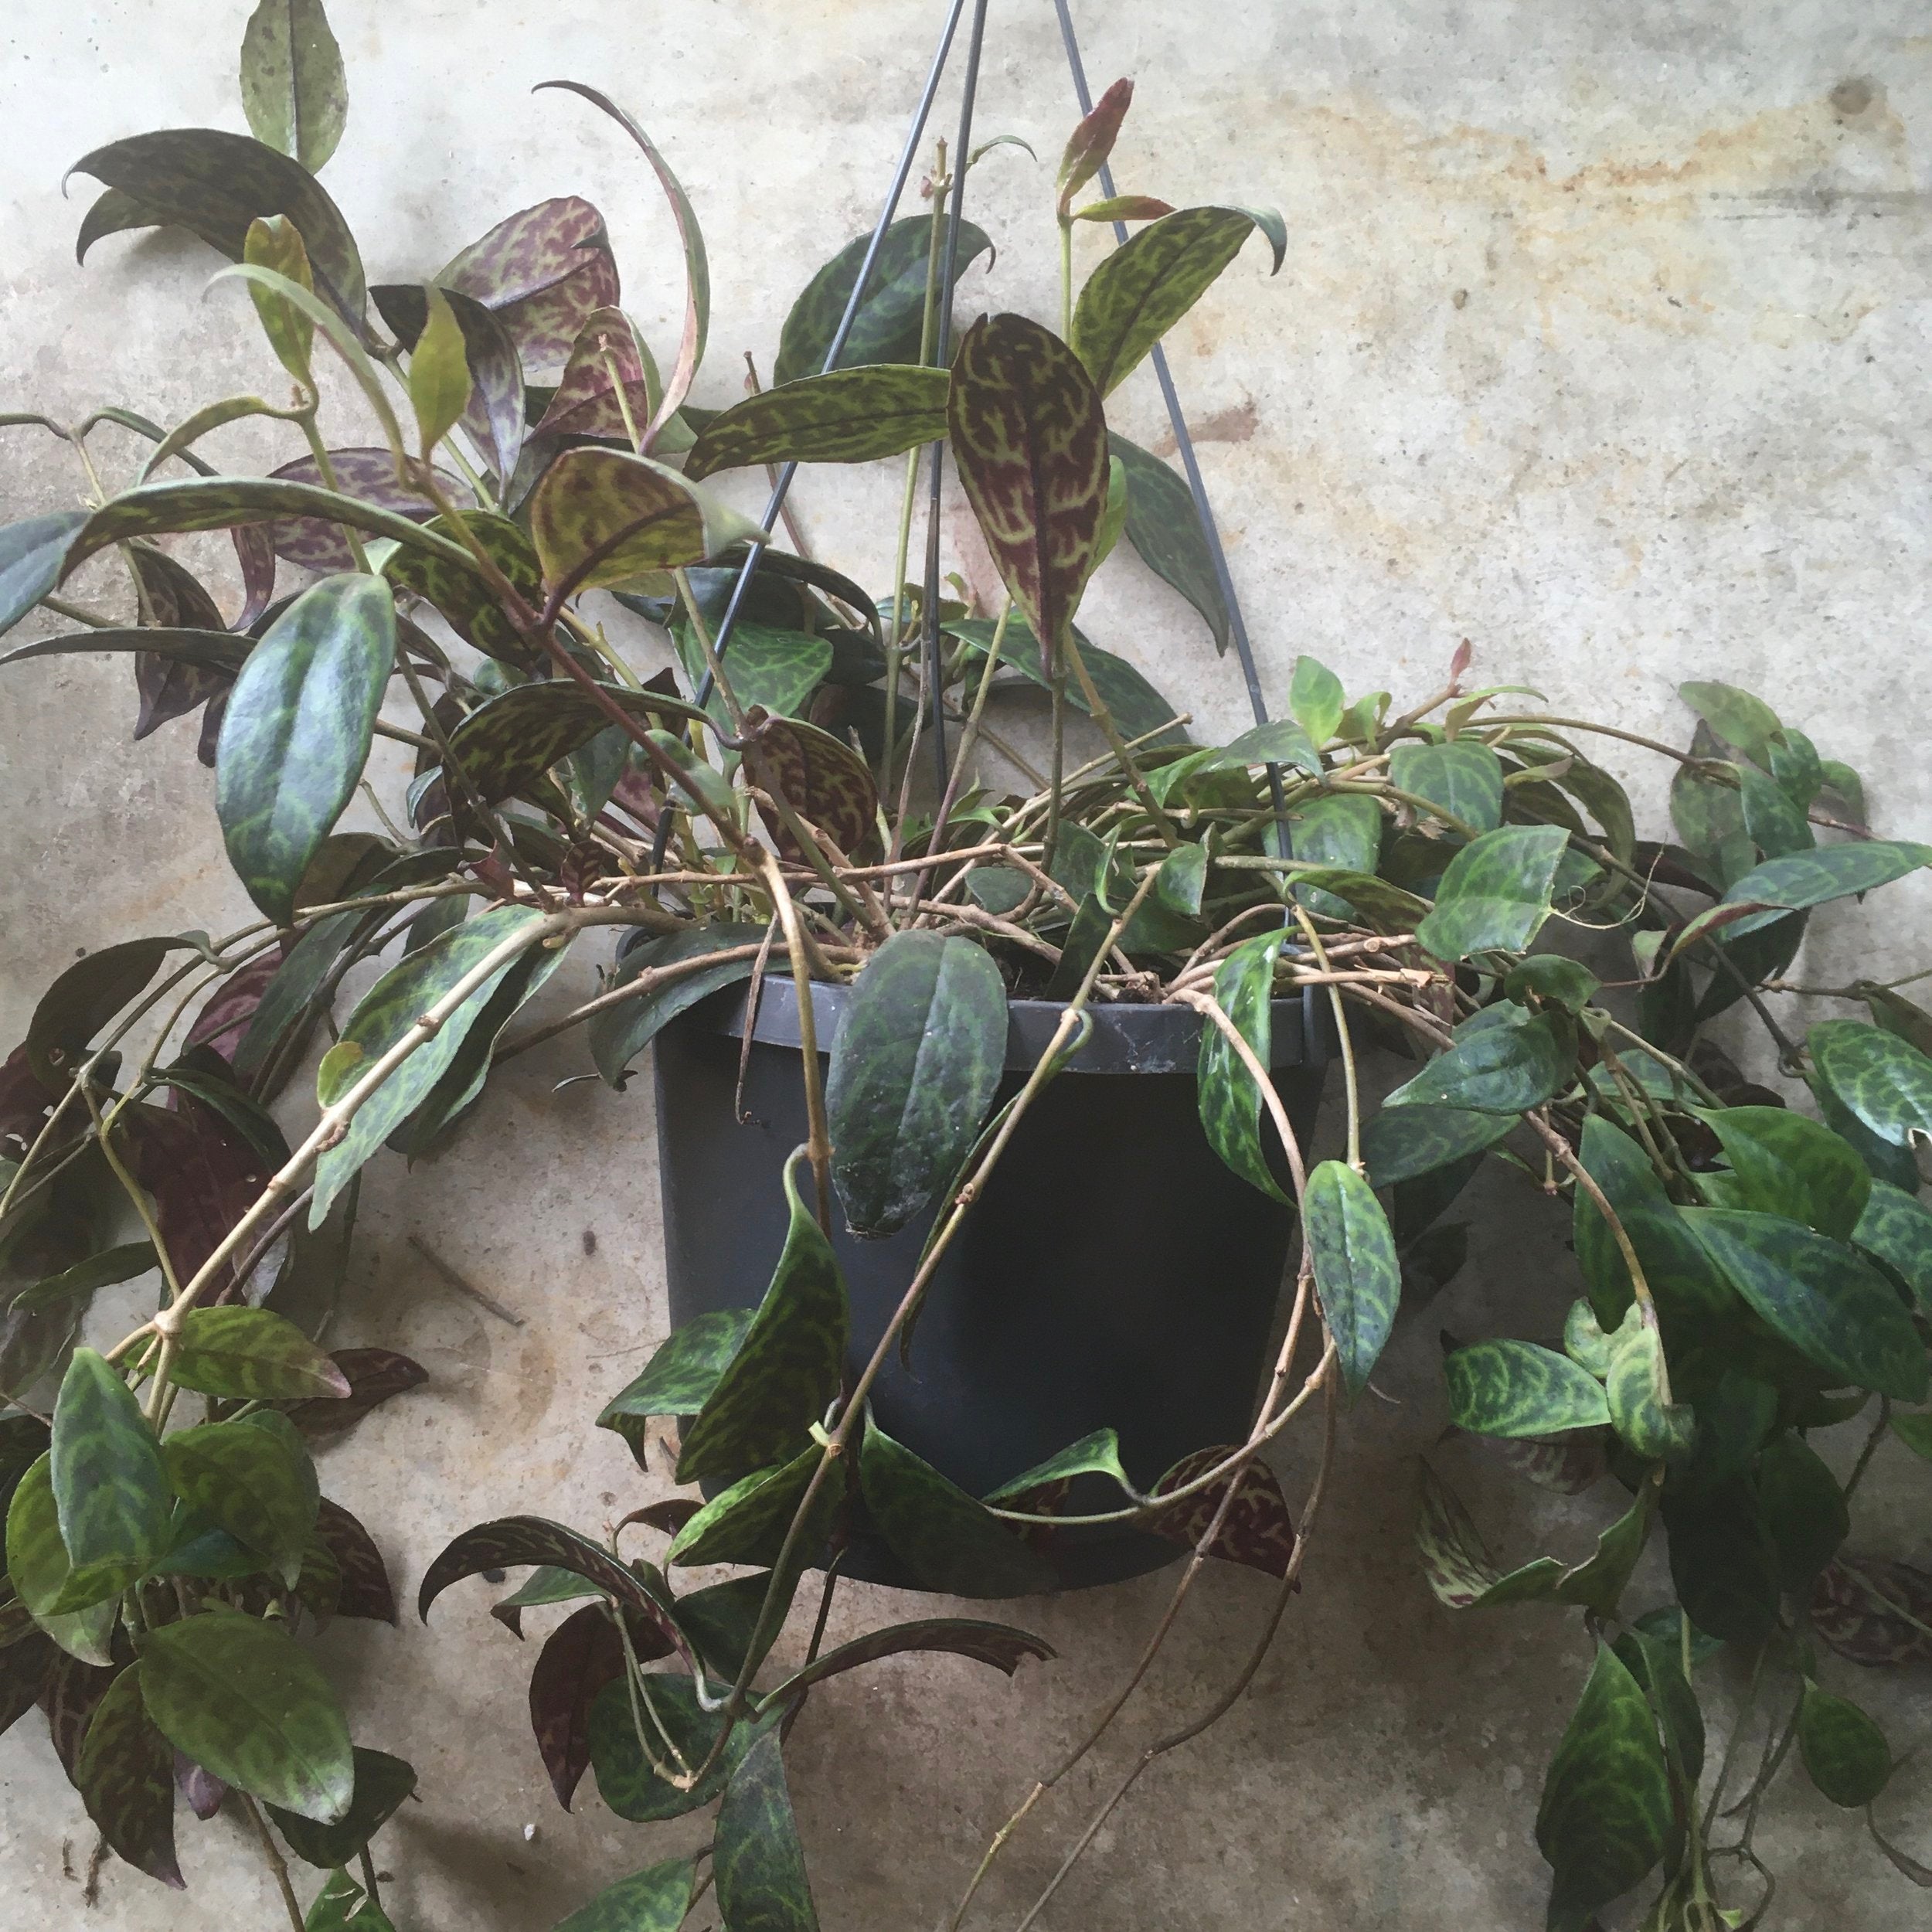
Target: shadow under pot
pixel 1115 1274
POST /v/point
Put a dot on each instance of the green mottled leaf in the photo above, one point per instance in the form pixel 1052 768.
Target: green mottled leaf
pixel 251 1483
pixel 1139 292
pixel 1401 1143
pixel 342 1906
pixel 600 516
pixel 252 1354
pixel 775 670
pixel 1098 1454
pixel 1340 831
pixel 1356 1272
pixel 783 1375
pixel 946 1538
pixel 914 1066
pixel 296 732
pixel 1558 982
pixel 1495 893
pixel 1817 1293
pixel 1230 1101
pixel 461 594
pixel 619 1033
pixel 1510 1388
pixel 1138 708
pixel 126 1778
pixel 382 1782
pixel 654 1900
pixel 1785 1164
pixel 1844 1752
pixel 626 1781
pixel 1656 1662
pixel 1736 717
pixel 246 1702
pixel 1884 1080
pixel 1463 777
pixel 1802 1509
pixel 1164 527
pixel 1802 879
pixel 386 1014
pixel 1182 879
pixel 1029 440
pixel 275 243
pixel 292 88
pixel 1606 1808
pixel 887 326
pixel 1637 1387
pixel 1316 698
pixel 110 1492
pixel 1504 1060
pixel 853 415
pixel 1777 824
pixel 506 744
pixel 760 1867
pixel 1282 742
pixel 215 184
pixel 1897 1229
pixel 746 1523
pixel 1916 1433
pixel 33 558
pixel 37 1567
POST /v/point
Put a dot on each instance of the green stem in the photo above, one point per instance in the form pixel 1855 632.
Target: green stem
pixel 326 470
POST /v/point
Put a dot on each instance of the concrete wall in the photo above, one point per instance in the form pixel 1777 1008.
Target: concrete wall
pixel 1601 343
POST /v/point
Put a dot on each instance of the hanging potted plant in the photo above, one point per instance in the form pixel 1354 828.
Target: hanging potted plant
pixel 986 1105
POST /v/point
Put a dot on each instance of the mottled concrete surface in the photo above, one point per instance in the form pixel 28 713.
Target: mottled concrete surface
pixel 1601 343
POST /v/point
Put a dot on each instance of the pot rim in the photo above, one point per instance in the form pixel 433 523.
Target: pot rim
pixel 1125 1038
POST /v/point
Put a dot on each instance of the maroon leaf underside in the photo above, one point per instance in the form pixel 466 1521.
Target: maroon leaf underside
pixel 1258 1531
pixel 365 1591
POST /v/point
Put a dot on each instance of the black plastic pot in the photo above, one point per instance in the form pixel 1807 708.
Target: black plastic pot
pixel 1115 1274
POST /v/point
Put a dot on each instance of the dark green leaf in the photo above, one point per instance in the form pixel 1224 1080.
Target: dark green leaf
pixel 245 1701
pixel 342 1906
pixel 998 1644
pixel 33 559
pixel 508 742
pixel 1845 1752
pixel 382 1783
pixel 292 88
pixel 1495 893
pixel 1503 1061
pixel 654 1900
pixel 1509 1388
pixel 126 1778
pixel 948 1541
pixel 853 415
pixel 1463 777
pixel 462 596
pixel 1897 1229
pixel 1637 1387
pixel 760 1869
pixel 1606 1808
pixel 680 1377
pixel 1817 1293
pixel 619 1033
pixel 1655 1661
pixel 101 1270
pixel 1140 291
pixel 1230 1101
pixel 385 1016
pixel 297 730
pixel 785 1372
pixel 1138 708
pixel 1400 1143
pixel 626 1781
pixel 1777 824
pixel 1181 880
pixel 1567 983
pixel 1164 525
pixel 1883 1079
pixel 1802 1509
pixel 1097 1454
pixel 250 1482
pixel 110 1492
pixel 1029 440
pixel 252 1354
pixel 917 1058
pixel 887 327
pixel 1787 1165
pixel 746 1523
pixel 216 183
pixel 82 1001
pixel 1357 1273
pixel 1802 879
pixel 1737 717
pixel 1722 1565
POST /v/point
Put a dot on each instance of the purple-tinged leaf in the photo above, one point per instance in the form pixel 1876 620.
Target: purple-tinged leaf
pixel 543 272
pixel 365 1591
pixel 69 1693
pixel 23 1668
pixel 373 1374
pixel 204 1175
pixel 200 1790
pixel 579 1658
pixel 126 1778
pixel 225 1017
pixel 1030 439
pixel 368 474
pixel 494 417
pixel 1258 1530
pixel 826 782
pixel 607 360
pixel 172 599
pixel 1090 144
pixel 1874 1612
pixel 1125 207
